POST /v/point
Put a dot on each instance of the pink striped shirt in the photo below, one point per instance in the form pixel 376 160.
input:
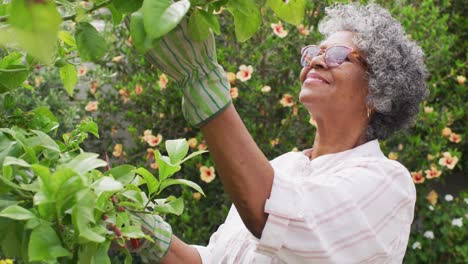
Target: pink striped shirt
pixel 355 206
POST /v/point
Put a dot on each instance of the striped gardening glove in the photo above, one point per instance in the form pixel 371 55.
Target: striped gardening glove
pixel 194 66
pixel 159 231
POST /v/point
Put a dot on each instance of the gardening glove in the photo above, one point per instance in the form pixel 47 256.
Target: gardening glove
pixel 194 66
pixel 159 231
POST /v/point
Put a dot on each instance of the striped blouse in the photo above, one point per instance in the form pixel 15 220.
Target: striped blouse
pixel 354 206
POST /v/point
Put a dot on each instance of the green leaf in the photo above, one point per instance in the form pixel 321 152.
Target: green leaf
pixel 212 21
pixel 12 77
pixel 67 38
pixel 151 181
pixel 69 77
pixel 291 12
pixel 117 16
pixel 44 245
pixel 106 184
pixel 91 45
pixel 15 161
pixel 46 142
pixel 83 216
pixel 88 126
pixel 127 6
pixel 166 168
pixel 17 212
pixel 124 173
pixel 34 26
pixel 13 58
pixel 85 162
pixel 137 31
pixel 168 182
pixel 9 102
pixel 177 149
pixel 43 120
pixel 193 154
pixel 247 18
pixel 161 16
pixel 175 206
pixel 199 29
pixel 132 232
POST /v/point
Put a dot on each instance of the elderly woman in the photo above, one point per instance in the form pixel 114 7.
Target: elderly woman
pixel 341 201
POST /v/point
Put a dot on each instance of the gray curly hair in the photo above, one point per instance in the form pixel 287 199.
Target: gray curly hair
pixel 396 72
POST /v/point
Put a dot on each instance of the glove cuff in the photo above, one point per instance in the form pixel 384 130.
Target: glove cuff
pixel 206 97
pixel 161 233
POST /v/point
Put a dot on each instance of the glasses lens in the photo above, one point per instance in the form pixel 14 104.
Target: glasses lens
pixel 336 55
pixel 308 53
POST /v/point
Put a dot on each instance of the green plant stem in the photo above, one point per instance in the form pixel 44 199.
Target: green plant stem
pixel 94 8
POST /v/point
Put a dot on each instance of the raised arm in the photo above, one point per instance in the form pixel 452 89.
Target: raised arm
pixel 244 170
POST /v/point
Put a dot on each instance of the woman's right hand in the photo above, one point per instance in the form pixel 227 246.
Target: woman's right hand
pixel 194 66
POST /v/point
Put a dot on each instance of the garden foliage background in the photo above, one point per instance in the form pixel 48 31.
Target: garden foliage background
pixel 126 96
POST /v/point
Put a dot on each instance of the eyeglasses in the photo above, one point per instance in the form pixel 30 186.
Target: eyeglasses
pixel 334 55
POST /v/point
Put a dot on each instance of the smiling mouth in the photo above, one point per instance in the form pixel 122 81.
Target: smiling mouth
pixel 314 80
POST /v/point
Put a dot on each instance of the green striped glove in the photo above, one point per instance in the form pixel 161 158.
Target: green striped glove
pixel 194 66
pixel 160 232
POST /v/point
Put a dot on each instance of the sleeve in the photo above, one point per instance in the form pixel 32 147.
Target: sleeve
pixel 361 213
pixel 206 252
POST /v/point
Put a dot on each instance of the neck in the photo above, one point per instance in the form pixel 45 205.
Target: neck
pixel 333 136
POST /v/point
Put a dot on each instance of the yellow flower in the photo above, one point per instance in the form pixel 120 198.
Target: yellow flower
pixel 82 71
pixel 6 261
pixel 456 138
pixel 92 106
pixel 430 157
pixel 163 81
pixel 154 140
pixel 266 89
pixel 433 172
pixel 117 150
pixel 234 92
pixel 446 131
pixel 432 197
pixel 303 30
pixel 461 79
pixel 149 153
pixel 202 146
pixel 138 89
pixel 113 131
pixel 231 77
pixel 286 100
pixel 38 80
pixel 161 115
pixel 94 85
pixel 294 149
pixel 274 142
pixel 393 155
pixel 295 110
pixel 279 30
pixel 417 177
pixel 117 58
pixel 193 142
pixel 196 196
pixel 245 73
pixel 154 165
pixel 448 161
pixel 207 174
pixel 428 109
pixel 400 147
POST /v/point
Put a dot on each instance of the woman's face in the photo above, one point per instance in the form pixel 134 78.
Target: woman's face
pixel 343 89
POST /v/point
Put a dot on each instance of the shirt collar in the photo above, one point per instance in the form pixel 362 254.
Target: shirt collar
pixel 368 149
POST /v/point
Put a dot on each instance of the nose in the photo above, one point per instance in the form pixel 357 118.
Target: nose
pixel 318 62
